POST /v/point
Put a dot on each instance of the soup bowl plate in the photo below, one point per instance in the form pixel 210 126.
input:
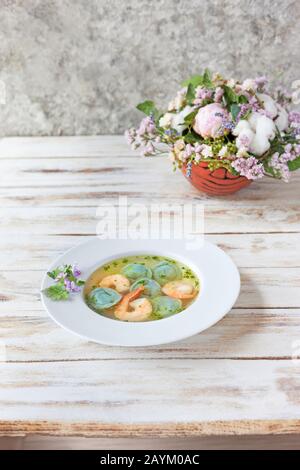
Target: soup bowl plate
pixel 219 289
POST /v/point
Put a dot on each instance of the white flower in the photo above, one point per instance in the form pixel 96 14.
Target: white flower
pixel 231 83
pixel 171 106
pixel 241 126
pixel 245 138
pixel 178 119
pixel 249 84
pixel 282 120
pixel 207 151
pixel 179 144
pixel 178 149
pixel 255 133
pixel 178 101
pixel 262 124
pixel 269 104
pixel 264 132
pixel 259 145
pixel 166 120
pixel 223 152
pixel 244 134
pixel 242 152
pixel 252 120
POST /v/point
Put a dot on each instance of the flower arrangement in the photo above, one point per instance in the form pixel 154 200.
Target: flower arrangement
pixel 238 131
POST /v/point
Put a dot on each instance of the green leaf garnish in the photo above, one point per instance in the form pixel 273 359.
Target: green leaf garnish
pixel 189 119
pixel 53 274
pixel 234 110
pixel 199 80
pixel 57 292
pixel 190 94
pixel 147 107
pixel 243 99
pixel 294 164
pixel 191 137
pixel 230 96
pixel 195 80
pixel 207 82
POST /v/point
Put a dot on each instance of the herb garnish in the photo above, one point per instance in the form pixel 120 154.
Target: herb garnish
pixel 66 280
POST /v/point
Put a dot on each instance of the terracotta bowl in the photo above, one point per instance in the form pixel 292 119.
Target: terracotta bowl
pixel 217 182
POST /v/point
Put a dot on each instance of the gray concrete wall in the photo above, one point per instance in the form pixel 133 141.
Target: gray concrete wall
pixel 80 66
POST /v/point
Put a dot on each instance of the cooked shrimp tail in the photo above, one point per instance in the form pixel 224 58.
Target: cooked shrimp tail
pixel 133 294
pixel 116 281
pixel 182 289
pixel 133 308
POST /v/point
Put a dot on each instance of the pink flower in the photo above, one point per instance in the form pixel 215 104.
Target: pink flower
pixel 201 95
pixel 209 120
pixel 219 94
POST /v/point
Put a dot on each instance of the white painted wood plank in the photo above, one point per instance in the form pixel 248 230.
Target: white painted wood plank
pixel 249 334
pixel 92 194
pixel 63 146
pixel 157 391
pixel 139 177
pixel 83 220
pixel 23 252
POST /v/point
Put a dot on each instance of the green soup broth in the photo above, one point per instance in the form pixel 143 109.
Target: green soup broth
pixel 151 271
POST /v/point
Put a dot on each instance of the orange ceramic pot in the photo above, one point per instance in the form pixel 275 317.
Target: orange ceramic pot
pixel 218 182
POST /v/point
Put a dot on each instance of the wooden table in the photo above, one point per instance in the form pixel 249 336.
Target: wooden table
pixel 240 377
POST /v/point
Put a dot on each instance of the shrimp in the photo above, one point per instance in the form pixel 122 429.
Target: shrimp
pixel 116 281
pixel 133 308
pixel 179 289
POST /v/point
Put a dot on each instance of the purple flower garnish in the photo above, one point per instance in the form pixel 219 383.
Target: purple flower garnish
pixel 189 169
pixel 280 162
pixel 219 95
pixel 71 286
pixel 201 95
pixel 228 125
pixel 76 270
pixel 248 167
pixel 60 276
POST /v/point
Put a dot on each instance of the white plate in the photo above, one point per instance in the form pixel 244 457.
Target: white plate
pixel 219 289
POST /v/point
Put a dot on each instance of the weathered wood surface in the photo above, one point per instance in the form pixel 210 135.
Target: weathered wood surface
pixel 126 391
pixel 242 334
pixel 242 376
pixel 36 252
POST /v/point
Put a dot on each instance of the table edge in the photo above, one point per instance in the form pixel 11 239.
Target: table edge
pixel 188 429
